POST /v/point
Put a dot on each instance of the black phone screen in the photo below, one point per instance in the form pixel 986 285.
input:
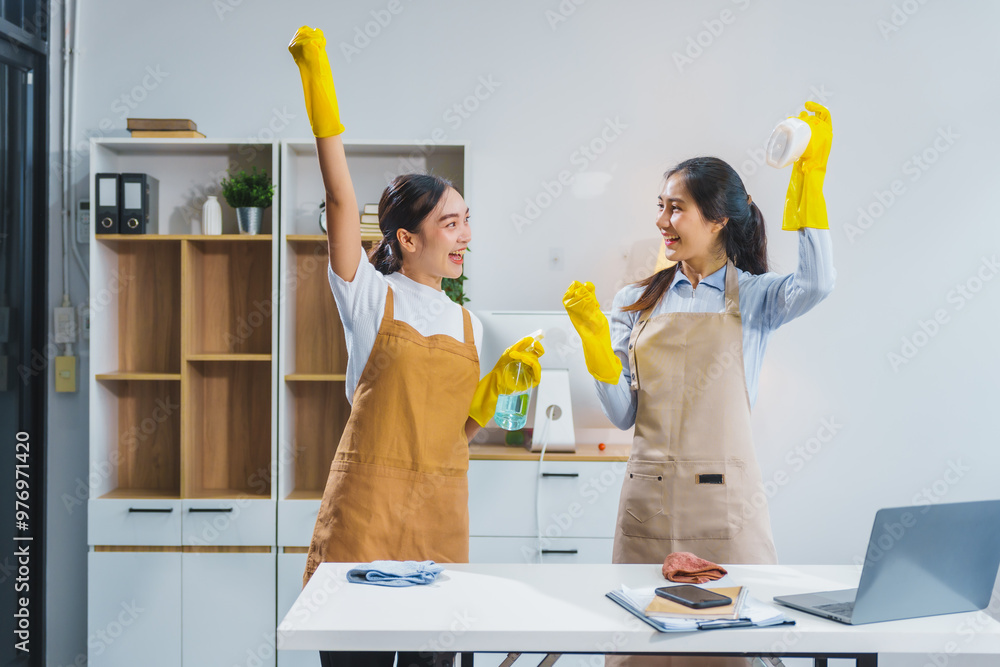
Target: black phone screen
pixel 694 597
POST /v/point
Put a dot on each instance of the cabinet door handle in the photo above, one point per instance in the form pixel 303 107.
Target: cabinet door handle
pixel 210 509
pixel 150 509
pixel 560 474
pixel 559 551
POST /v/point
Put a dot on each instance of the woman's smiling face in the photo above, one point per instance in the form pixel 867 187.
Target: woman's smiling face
pixel 686 233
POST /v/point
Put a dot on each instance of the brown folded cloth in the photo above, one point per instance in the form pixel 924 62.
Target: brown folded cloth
pixel 685 567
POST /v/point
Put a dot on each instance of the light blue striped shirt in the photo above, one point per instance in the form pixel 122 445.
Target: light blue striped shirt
pixel 766 302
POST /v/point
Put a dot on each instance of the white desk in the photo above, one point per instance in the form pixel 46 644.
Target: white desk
pixel 562 609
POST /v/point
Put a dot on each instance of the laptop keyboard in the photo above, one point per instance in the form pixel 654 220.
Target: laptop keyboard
pixel 839 608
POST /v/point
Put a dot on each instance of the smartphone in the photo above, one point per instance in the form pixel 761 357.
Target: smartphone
pixel 694 597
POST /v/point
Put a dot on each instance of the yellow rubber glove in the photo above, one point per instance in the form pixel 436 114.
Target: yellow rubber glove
pixel 484 401
pixel 308 48
pixel 805 205
pixel 585 314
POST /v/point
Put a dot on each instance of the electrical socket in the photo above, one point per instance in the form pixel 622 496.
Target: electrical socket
pixel 85 321
pixel 83 222
pixel 65 325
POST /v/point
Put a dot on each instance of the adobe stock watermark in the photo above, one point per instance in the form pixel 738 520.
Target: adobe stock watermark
pixel 898 17
pixel 585 155
pixel 164 408
pixel 888 535
pixel 40 359
pixel 363 35
pixel 562 12
pixel 455 115
pixel 704 39
pixel 795 460
pixel 914 168
pixel 102 638
pixel 926 330
pixel 122 106
pixel 757 157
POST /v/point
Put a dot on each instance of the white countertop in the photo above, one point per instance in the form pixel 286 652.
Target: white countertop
pixel 562 609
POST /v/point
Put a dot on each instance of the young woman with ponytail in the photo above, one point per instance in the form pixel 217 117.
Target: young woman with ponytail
pixel 398 487
pixel 681 355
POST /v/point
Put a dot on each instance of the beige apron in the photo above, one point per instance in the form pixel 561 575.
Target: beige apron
pixel 398 486
pixel 692 481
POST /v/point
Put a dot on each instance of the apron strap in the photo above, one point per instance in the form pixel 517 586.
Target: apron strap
pixel 467 325
pixel 732 289
pixel 387 315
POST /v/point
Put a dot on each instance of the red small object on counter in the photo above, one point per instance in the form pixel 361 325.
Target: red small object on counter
pixel 601 446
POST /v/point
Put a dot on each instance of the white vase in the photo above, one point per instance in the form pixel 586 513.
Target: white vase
pixel 211 216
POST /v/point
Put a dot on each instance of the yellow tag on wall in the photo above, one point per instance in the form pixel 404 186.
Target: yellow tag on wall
pixel 66 374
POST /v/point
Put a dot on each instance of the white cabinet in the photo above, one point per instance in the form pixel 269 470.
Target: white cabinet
pixel 575 499
pixel 290 569
pixel 228 609
pixel 560 550
pixel 134 522
pixel 229 522
pixel 577 504
pixel 134 609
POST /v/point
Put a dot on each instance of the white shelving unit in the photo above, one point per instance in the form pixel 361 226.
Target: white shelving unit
pixel 182 509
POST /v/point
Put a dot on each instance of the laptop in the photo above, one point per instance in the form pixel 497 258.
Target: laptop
pixel 921 561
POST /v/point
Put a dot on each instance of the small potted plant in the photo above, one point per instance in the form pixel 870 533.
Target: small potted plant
pixel 249 194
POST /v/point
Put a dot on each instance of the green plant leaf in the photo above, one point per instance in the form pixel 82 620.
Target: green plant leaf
pixel 254 189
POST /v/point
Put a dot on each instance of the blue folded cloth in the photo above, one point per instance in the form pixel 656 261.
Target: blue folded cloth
pixel 395 573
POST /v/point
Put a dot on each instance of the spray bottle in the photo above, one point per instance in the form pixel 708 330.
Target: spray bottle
pixel 788 142
pixel 516 381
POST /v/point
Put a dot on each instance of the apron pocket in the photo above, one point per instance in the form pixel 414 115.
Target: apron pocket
pixel 642 501
pixel 705 499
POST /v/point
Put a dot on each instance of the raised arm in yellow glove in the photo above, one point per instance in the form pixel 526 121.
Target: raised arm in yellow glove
pixel 585 314
pixel 484 401
pixel 308 47
pixel 805 205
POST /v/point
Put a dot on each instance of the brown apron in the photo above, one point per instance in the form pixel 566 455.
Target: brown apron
pixel 692 481
pixel 398 486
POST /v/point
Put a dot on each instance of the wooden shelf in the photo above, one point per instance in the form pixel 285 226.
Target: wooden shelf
pixel 136 375
pixel 305 495
pixel 153 238
pixel 229 357
pixel 320 345
pixel 226 494
pixel 143 494
pixel 319 411
pixel 228 298
pixel 315 377
pixel 583 453
pixel 321 238
pixel 226 430
pixel 148 448
pixel 149 306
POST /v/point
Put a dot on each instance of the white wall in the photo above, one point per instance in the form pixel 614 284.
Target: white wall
pixel 894 91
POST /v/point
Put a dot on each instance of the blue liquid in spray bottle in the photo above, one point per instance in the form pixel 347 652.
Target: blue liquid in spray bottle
pixel 516 381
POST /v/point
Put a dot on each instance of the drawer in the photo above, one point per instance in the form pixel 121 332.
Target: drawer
pixel 577 499
pixel 296 521
pixel 134 522
pixel 228 522
pixel 562 551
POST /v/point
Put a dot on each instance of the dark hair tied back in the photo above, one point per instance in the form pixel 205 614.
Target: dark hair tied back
pixel 406 201
pixel 719 193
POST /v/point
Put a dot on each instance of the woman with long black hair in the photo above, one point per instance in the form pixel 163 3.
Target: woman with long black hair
pixel 682 353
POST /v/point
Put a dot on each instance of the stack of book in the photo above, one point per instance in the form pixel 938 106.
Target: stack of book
pixel 369 221
pixel 164 128
pixel 668 616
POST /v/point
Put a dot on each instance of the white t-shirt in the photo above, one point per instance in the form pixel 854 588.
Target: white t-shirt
pixel 361 304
